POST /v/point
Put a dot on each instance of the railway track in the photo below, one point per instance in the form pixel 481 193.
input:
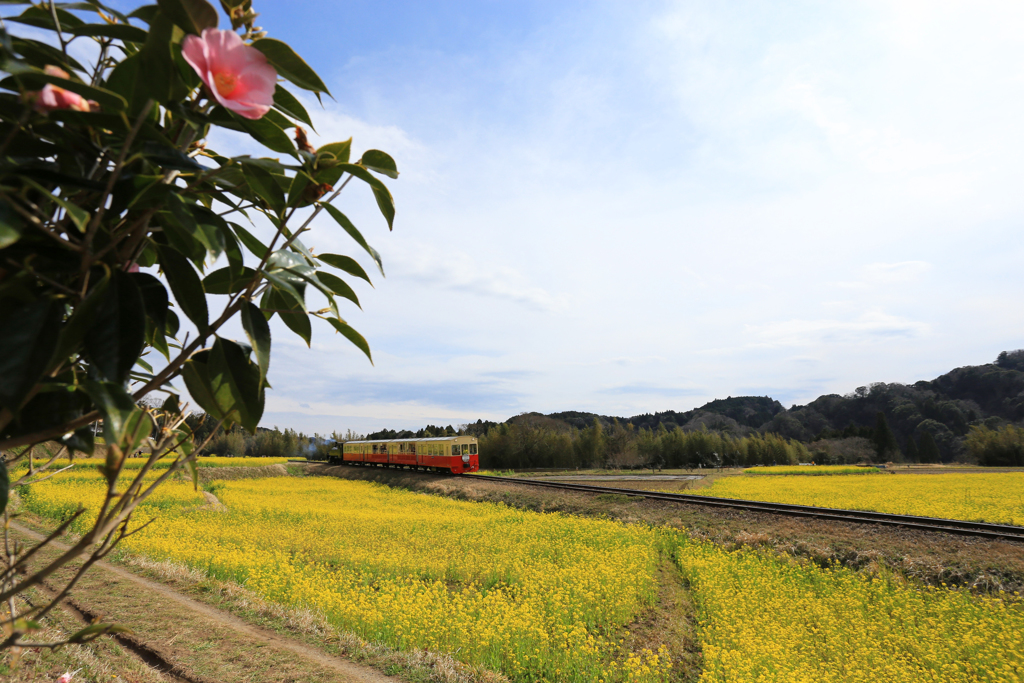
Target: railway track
pixel 949 526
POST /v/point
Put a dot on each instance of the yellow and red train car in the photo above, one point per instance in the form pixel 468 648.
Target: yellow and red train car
pixel 455 454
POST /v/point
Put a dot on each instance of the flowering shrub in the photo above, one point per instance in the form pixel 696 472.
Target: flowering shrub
pixel 107 184
pixel 116 219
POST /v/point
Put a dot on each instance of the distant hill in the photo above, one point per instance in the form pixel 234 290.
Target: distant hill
pixel 945 407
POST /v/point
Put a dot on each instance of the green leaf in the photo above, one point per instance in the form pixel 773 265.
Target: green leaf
pixel 345 263
pixel 235 381
pixel 123 80
pixel 74 330
pixel 338 286
pixel 41 18
pixel 225 383
pixel 289 285
pixel 185 285
pixel 78 215
pixel 193 471
pixel 258 332
pixel 139 426
pixel 125 32
pixel 39 55
pixel 28 339
pixel 117 334
pixel 353 232
pixel 145 13
pixel 108 100
pixel 285 102
pixel 341 151
pixel 257 248
pixel 385 202
pixel 329 159
pixel 191 15
pixel 222 281
pixel 115 405
pixel 154 297
pixel 352 336
pixel 379 161
pixel 293 315
pixel 267 133
pixel 236 262
pixel 297 193
pixel 290 65
pixel 11 224
pixel 169 157
pixel 90 633
pixel 82 439
pixel 264 186
pixel 208 235
pixel 195 371
pixel 182 236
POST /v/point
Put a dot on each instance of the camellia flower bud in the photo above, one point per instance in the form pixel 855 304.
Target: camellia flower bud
pixel 53 97
pixel 236 74
pixel 302 142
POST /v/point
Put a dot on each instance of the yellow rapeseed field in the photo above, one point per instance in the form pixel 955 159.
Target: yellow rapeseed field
pixel 162 464
pixel 812 470
pixel 544 597
pixel 984 497
pixel 766 619
pixel 539 597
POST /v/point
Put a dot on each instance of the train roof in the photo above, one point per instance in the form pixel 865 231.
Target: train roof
pixel 425 438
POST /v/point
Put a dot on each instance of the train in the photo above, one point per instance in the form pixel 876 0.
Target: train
pixel 454 454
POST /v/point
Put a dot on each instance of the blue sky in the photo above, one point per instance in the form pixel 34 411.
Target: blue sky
pixel 628 207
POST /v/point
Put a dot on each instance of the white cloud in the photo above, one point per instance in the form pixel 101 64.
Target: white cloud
pixel 887 274
pixel 459 271
pixel 871 327
pixel 895 273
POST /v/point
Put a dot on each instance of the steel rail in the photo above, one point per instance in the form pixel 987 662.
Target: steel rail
pixel 951 526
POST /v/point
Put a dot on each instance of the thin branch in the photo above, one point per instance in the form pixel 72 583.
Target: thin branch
pixel 320 205
pixel 115 174
pixel 22 482
pixel 46 541
pixel 56 23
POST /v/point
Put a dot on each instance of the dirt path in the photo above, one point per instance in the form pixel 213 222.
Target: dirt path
pixel 197 642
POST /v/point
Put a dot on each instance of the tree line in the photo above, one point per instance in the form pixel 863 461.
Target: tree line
pixel 533 441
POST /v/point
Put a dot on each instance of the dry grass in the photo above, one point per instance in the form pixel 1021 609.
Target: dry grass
pixel 310 626
pixel 670 623
pixel 101 660
pixel 208 474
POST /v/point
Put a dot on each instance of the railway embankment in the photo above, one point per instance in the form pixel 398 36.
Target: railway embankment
pixel 208 474
pixel 981 565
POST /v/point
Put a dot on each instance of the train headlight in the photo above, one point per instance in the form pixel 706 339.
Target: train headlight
pixel 465 458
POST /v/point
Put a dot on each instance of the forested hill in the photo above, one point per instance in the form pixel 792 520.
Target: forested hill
pixel 945 408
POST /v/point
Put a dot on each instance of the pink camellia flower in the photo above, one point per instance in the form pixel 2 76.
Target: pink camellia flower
pixel 53 97
pixel 237 74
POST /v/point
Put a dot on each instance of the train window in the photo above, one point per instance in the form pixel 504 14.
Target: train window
pixel 472 449
pixel 455 450
pixel 374 448
pixel 412 448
